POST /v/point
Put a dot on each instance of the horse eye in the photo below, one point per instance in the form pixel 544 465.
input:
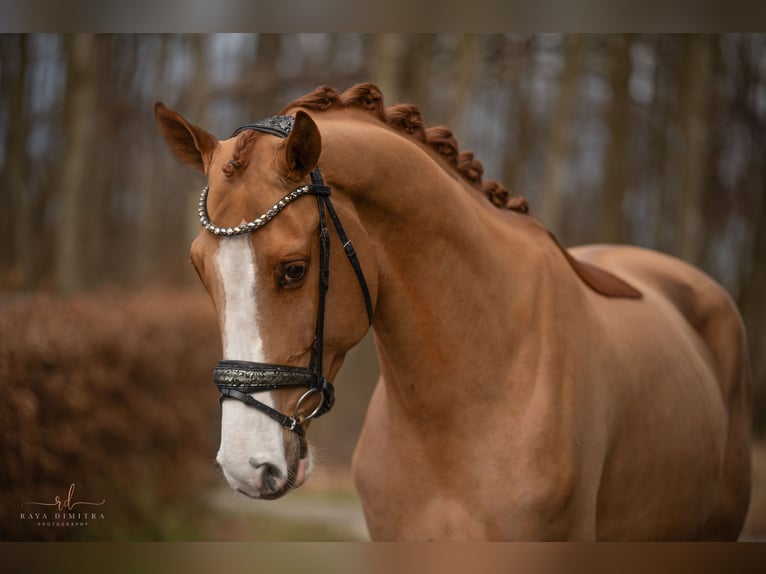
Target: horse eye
pixel 293 273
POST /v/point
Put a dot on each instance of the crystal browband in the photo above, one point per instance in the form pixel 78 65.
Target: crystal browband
pixel 258 222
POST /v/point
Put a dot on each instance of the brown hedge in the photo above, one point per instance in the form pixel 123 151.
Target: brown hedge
pixel 111 392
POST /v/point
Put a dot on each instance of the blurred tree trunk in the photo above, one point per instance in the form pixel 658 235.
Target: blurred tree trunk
pixel 76 195
pixel 467 62
pixel 749 199
pixel 520 124
pixel 511 159
pixel 751 304
pixel 196 91
pixel 558 148
pixel 197 96
pixel 617 118
pixel 661 111
pixel 696 94
pixel 158 218
pixel 417 71
pixel 386 52
pixel 15 218
pixel 265 74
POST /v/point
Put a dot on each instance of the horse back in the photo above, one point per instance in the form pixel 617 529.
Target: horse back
pixel 704 305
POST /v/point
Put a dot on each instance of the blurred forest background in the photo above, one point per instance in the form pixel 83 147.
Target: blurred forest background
pixel 654 140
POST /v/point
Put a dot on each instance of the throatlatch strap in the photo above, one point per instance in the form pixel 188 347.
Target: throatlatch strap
pixel 348 247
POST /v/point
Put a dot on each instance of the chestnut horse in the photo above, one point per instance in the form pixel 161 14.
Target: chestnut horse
pixel 526 392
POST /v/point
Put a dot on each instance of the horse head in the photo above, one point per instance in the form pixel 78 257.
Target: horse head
pixel 264 254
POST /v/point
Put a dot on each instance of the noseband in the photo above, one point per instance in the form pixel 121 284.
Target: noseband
pixel 239 379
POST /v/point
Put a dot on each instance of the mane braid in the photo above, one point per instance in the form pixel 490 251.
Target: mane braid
pixel 319 99
pixel 470 168
pixel 366 97
pixel 443 142
pixel 238 159
pixel 407 120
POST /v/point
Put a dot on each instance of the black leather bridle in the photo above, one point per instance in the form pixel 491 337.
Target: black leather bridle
pixel 239 379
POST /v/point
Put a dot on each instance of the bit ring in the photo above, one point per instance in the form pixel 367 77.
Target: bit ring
pixel 296 412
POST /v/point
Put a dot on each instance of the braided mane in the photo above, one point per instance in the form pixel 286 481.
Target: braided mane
pixel 406 119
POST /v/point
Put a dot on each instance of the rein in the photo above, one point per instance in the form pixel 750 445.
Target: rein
pixel 240 379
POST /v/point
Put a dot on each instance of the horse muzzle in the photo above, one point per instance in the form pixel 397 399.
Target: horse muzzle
pixel 265 480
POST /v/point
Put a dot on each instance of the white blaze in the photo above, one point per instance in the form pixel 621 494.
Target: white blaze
pixel 245 433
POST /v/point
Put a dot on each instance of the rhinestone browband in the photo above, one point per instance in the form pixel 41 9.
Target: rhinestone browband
pixel 256 223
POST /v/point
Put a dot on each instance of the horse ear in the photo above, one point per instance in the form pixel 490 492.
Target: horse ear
pixel 302 147
pixel 191 144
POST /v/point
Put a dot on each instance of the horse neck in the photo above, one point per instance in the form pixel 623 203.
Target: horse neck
pixel 463 286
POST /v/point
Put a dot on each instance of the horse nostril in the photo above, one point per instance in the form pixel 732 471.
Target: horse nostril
pixel 268 472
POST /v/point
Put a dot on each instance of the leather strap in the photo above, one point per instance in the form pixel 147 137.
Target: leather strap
pixel 279 126
pixel 288 422
pixel 348 247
